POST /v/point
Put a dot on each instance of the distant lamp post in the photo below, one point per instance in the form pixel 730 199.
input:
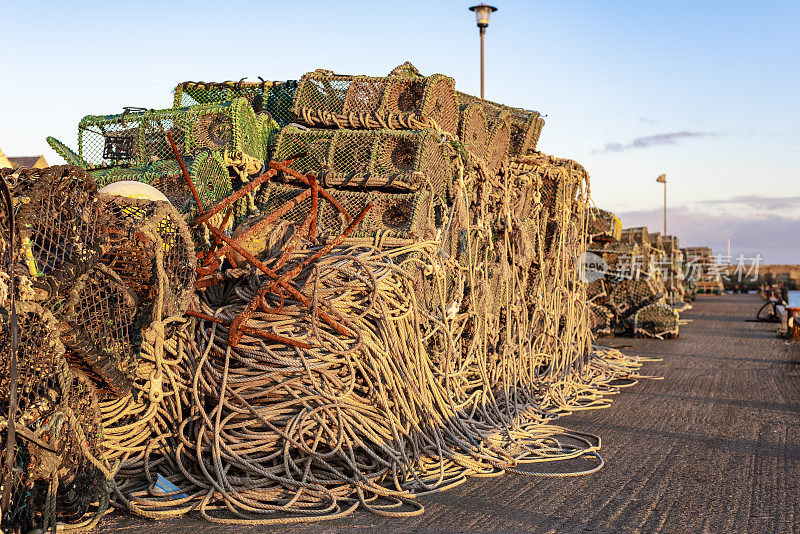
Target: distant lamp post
pixel 482 14
pixel 663 179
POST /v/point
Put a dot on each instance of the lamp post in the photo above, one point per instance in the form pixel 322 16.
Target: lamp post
pixel 663 179
pixel 482 13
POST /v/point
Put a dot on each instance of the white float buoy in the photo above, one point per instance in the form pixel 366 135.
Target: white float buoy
pixel 133 189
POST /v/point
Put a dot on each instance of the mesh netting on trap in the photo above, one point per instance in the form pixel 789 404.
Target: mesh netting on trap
pixel 266 97
pixel 656 320
pixel 525 126
pixel 82 328
pixel 139 138
pixel 604 224
pixel 628 296
pixel 399 161
pixel 52 476
pixel 406 102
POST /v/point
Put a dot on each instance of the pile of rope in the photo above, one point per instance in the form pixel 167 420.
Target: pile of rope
pixel 397 373
pixel 314 365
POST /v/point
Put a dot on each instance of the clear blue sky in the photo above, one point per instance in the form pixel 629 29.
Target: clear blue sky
pixel 706 92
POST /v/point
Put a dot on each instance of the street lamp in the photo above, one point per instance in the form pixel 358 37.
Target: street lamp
pixel 482 13
pixel 663 180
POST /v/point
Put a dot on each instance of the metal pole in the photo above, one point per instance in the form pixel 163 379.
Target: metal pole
pixel 483 31
pixel 665 207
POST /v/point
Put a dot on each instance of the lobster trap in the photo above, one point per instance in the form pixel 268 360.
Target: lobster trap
pixel 638 235
pixel 273 99
pixel 208 172
pixel 601 319
pixel 138 136
pixel 669 244
pixel 151 250
pixel 388 159
pixel 631 295
pixel 409 216
pixel 56 427
pixel 97 263
pixel 656 320
pixel 59 227
pixel 604 224
pixel 365 102
pixel 525 125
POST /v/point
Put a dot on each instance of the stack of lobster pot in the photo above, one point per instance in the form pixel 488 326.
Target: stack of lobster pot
pixel 378 140
pixel 150 146
pixel 629 294
pixel 87 278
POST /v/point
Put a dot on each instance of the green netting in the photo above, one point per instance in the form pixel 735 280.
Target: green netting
pixel 402 215
pixel 208 172
pixel 70 157
pixel 525 125
pixel 401 102
pixel 139 137
pixel 267 98
pixel 396 160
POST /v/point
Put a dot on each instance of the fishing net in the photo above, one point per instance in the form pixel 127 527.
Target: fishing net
pixel 208 172
pixel 390 160
pixel 525 126
pixel 365 102
pixel 603 223
pixel 138 136
pixel 273 99
pixel 393 215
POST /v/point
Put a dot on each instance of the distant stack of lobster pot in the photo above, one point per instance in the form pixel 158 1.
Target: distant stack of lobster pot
pixel 633 279
pixel 703 270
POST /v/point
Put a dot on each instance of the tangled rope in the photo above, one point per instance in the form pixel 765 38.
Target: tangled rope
pixel 452 365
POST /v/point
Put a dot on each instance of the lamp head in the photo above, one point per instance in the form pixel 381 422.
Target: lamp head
pixel 482 13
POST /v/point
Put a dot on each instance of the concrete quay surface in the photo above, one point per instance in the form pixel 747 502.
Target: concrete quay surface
pixel 713 447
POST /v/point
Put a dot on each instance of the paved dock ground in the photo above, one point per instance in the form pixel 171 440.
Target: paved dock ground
pixel 713 447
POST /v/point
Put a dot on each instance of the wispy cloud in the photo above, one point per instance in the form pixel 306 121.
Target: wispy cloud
pixel 759 202
pixel 670 138
pixel 648 121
